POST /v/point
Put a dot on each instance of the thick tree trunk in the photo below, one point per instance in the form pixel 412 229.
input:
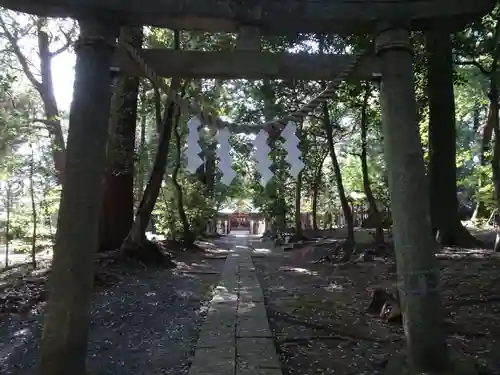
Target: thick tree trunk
pixel 315 198
pixel 318 176
pixel 136 239
pixel 487 128
pixel 417 268
pixel 34 216
pixel 346 209
pixel 298 190
pixel 118 203
pixel 142 152
pixel 46 91
pixel 64 340
pixel 495 161
pixel 374 213
pixel 446 223
pixel 44 86
pixel 277 221
pixel 188 235
pixel 482 131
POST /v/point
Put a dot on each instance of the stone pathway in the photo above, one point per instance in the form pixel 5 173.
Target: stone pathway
pixel 235 338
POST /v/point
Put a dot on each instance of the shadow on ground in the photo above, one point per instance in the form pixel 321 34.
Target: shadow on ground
pixel 147 323
pixel 317 311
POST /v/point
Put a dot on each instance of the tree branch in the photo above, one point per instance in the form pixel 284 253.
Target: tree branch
pixel 69 39
pixel 20 57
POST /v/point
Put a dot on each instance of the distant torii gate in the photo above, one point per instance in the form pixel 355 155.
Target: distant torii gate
pixel 388 20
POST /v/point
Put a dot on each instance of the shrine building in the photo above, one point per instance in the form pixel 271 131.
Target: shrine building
pixel 248 220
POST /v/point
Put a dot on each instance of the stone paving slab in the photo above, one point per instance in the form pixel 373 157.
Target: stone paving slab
pixel 258 371
pixel 213 361
pixel 235 338
pixel 212 337
pixel 251 294
pixel 252 320
pixel 257 353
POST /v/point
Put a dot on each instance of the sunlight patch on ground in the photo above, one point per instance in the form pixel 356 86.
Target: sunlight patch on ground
pixel 158 237
pixel 220 250
pixel 206 243
pixel 239 233
pixel 246 307
pixel 334 287
pixel 241 247
pixel 300 270
pixel 222 295
pixel 262 251
pixel 19 338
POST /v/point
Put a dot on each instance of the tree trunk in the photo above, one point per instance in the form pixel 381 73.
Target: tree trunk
pixel 417 268
pixel 136 239
pixel 374 213
pixel 495 161
pixel 143 157
pixel 8 209
pixel 446 224
pixel 46 91
pixel 33 207
pixel 298 189
pixel 480 208
pixel 315 197
pixel 318 176
pixel 118 204
pixel 44 87
pixel 277 220
pixel 298 213
pixel 487 129
pixel 346 209
pixel 188 235
pixel 65 334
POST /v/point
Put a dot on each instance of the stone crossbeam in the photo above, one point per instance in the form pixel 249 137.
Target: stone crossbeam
pixel 273 17
pixel 246 65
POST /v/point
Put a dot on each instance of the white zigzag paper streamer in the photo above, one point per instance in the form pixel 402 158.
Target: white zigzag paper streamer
pixel 225 161
pixel 262 157
pixel 291 146
pixel 193 148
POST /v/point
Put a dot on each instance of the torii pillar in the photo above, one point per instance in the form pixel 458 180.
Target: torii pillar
pixel 415 247
pixel 71 280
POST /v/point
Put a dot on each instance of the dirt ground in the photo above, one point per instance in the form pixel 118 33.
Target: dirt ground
pixel 144 321
pixel 318 311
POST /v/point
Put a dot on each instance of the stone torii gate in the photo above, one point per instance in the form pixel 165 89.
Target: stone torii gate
pixel 388 20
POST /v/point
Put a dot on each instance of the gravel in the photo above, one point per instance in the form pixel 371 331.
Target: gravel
pixel 146 324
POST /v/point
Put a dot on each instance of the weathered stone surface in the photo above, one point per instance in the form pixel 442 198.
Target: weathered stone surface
pixel 240 370
pixel 251 294
pixel 252 320
pixel 212 336
pixel 252 327
pixel 246 65
pixel 213 361
pixel 257 352
pixel 275 17
pixel 236 322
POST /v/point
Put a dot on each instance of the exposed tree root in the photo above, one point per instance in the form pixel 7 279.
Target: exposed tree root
pixel 312 338
pixel 148 253
pixel 474 301
pixel 385 303
pixel 181 246
pixel 458 235
pixel 293 320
